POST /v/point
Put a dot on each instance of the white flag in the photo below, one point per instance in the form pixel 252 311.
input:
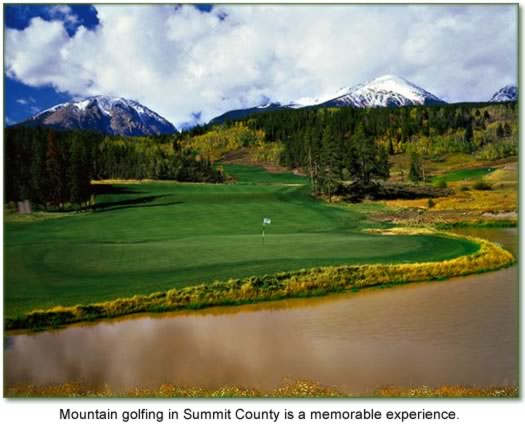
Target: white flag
pixel 267 221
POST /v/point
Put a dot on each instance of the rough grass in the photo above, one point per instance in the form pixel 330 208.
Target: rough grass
pixel 467 206
pixel 291 389
pixel 15 217
pixel 508 174
pixel 303 283
pixel 509 223
pixel 448 391
pixel 502 199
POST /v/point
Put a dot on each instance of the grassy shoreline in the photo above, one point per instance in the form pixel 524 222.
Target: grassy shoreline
pixel 478 224
pixel 302 283
pixel 292 389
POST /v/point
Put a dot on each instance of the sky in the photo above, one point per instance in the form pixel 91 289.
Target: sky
pixel 190 64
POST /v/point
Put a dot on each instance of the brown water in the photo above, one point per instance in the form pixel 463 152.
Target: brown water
pixel 461 331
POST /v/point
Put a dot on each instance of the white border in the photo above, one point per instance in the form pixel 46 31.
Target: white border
pixel 473 414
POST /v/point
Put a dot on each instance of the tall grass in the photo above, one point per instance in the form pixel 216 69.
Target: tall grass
pixel 303 283
pixel 503 223
pixel 292 388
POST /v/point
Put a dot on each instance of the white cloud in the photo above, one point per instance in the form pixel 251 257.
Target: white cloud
pixel 180 61
pixel 26 101
pixel 63 13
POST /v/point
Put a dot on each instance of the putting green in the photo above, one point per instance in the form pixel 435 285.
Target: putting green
pixel 156 236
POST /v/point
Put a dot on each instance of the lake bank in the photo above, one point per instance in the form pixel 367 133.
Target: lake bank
pixel 458 332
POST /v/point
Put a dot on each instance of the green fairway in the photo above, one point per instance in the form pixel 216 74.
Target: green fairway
pixel 156 236
pixel 463 175
pixel 258 175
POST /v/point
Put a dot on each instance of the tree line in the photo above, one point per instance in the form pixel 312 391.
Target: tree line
pixel 52 168
pixel 334 145
pixel 464 128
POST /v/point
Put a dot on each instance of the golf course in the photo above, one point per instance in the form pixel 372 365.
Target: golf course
pixel 150 237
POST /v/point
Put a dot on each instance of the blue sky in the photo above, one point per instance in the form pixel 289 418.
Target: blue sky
pixel 186 62
pixel 22 101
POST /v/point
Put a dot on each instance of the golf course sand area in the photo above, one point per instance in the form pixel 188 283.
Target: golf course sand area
pixel 156 236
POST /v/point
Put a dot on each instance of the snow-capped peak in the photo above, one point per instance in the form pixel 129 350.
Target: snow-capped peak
pixel 506 94
pixel 385 91
pixel 112 115
pixel 106 105
pixel 395 84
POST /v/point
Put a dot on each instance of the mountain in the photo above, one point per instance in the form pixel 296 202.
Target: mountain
pixel 385 91
pixel 508 93
pixel 109 115
pixel 237 114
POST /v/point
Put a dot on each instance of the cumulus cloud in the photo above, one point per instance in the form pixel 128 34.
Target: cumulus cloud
pixel 188 64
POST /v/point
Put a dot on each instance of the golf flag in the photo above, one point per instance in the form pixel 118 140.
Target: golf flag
pixel 267 221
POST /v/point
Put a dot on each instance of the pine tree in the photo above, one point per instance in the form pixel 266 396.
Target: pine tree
pixel 391 150
pixel 499 131
pixel 415 174
pixel 54 170
pixel 331 162
pixel 468 138
pixel 368 160
pixel 38 175
pixel 79 174
pixel 507 130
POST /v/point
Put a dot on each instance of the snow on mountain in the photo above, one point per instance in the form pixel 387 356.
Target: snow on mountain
pixel 315 101
pixel 508 93
pixel 109 115
pixel 385 91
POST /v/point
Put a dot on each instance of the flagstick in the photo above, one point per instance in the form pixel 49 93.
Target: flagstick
pixel 263 235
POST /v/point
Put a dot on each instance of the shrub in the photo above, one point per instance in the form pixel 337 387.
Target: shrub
pixel 482 186
pixel 441 183
pixel 431 203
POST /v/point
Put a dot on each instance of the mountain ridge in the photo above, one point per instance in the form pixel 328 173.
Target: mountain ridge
pixel 508 93
pixel 384 91
pixel 109 115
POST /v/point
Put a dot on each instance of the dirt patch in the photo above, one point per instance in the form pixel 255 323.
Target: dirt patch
pixel 244 157
pixel 418 216
pixel 500 215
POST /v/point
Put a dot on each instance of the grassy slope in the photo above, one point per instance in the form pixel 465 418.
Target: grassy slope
pixel 157 236
pixel 258 175
pixel 463 175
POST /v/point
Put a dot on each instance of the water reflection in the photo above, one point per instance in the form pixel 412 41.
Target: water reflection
pixel 462 331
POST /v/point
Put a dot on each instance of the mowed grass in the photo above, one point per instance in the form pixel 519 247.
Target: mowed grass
pixel 157 236
pixel 463 175
pixel 258 175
